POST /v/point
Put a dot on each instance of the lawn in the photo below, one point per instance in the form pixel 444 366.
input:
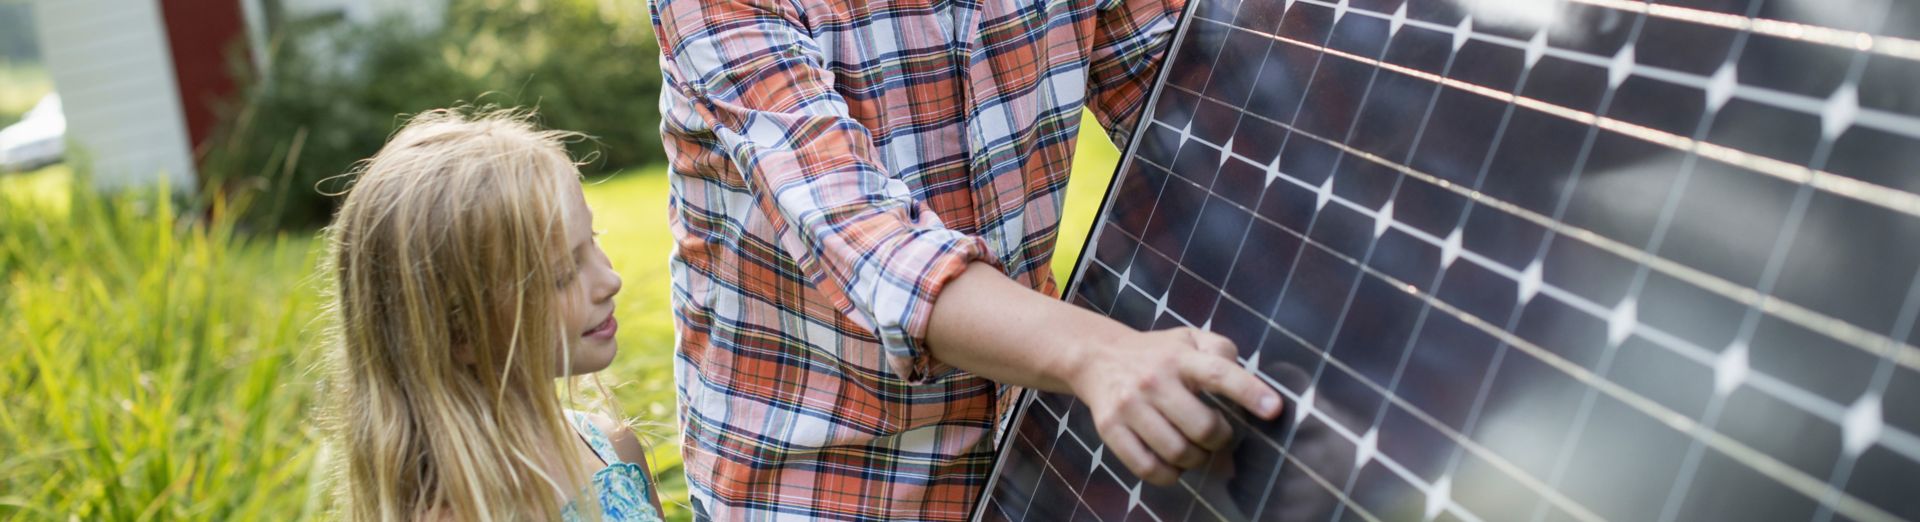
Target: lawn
pixel 159 368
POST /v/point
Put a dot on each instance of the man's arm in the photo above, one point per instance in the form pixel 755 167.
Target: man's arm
pixel 1141 386
pixel 762 88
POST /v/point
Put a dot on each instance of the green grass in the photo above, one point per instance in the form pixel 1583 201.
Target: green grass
pixel 46 190
pixel 156 368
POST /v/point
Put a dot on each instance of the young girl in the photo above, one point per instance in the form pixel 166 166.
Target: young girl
pixel 469 281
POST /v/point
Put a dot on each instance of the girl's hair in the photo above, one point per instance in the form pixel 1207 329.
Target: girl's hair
pixel 448 254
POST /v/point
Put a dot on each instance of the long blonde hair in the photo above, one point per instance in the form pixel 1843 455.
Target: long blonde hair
pixel 448 326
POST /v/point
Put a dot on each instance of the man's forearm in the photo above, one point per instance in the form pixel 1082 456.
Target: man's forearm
pixel 991 326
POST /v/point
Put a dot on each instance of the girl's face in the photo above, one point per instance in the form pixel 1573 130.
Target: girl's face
pixel 586 291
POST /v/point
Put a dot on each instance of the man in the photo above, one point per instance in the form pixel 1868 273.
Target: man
pixel 865 200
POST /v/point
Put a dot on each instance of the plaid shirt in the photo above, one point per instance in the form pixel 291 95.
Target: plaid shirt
pixel 834 163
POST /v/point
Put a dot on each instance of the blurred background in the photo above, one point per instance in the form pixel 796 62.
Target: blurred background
pixel 162 170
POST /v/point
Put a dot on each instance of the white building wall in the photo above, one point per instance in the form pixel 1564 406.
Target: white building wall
pixel 111 64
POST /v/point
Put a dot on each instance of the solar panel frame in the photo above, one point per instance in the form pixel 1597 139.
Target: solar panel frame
pixel 1720 96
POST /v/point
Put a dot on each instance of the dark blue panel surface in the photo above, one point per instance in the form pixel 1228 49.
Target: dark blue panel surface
pixel 1581 260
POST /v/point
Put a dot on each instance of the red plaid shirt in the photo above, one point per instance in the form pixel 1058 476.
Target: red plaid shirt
pixel 834 163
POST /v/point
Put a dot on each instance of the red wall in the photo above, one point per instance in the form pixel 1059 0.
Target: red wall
pixel 201 33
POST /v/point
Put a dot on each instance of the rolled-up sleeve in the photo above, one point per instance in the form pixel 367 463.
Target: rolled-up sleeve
pixel 762 86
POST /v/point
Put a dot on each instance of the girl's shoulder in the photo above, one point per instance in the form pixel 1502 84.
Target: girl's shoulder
pixel 623 489
pixel 616 435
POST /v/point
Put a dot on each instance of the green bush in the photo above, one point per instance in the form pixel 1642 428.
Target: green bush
pixel 334 91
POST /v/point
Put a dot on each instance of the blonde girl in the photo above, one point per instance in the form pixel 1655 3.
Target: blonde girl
pixel 468 282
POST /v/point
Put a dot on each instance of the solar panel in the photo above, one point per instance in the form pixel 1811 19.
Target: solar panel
pixel 1520 260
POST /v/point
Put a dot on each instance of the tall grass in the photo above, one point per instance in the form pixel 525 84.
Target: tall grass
pixel 156 367
pixel 152 364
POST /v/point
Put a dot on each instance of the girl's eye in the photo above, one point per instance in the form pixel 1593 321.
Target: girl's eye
pixel 566 278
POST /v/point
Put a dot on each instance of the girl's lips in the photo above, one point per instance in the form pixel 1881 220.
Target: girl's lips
pixel 604 331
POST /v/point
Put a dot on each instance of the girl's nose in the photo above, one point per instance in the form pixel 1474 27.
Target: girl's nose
pixel 613 285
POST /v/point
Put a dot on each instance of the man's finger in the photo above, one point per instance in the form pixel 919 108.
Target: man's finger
pixel 1213 343
pixel 1135 455
pixel 1202 425
pixel 1230 380
pixel 1167 442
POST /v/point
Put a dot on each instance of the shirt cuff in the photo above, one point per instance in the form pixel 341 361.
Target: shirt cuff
pixel 928 260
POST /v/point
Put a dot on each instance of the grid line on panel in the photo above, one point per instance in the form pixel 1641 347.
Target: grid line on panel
pixel 1897 440
pixel 1013 438
pixel 1286 279
pixel 1906 443
pixel 1872 342
pixel 1856 40
pixel 1240 247
pixel 1353 128
pixel 1661 229
pixel 1561 205
pixel 1546 491
pixel 1065 434
pixel 1508 109
pixel 1346 502
pixel 1045 463
pixel 1494 145
pixel 1889 351
pixel 1100 465
pixel 1759 461
pixel 1201 500
pixel 1869 117
pixel 1419 136
pixel 1890 198
pixel 1882 377
pixel 1398 469
pixel 1776 261
pixel 1754 459
pixel 1900 441
pixel 1332 424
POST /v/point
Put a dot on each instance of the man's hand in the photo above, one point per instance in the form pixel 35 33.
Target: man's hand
pixel 1144 388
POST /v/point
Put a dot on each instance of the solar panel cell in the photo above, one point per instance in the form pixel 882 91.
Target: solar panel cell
pixel 1581 260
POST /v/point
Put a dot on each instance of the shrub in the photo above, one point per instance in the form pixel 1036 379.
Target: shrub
pixel 334 91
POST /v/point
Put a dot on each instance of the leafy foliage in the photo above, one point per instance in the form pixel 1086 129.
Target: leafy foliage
pixel 334 91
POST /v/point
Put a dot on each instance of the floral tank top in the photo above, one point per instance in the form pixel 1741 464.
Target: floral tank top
pixel 622 487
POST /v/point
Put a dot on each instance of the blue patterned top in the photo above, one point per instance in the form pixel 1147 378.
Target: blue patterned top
pixel 622 487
